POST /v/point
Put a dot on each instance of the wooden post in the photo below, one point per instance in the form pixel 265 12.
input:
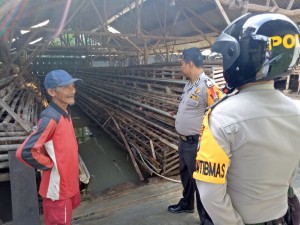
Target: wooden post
pixel 287 85
pixel 222 11
pixel 298 84
pixel 25 207
pixel 167 53
pixel 290 4
pixel 145 52
pixel 138 16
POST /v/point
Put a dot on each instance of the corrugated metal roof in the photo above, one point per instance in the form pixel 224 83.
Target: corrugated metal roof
pixel 172 23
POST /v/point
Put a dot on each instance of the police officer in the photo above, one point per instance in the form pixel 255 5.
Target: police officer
pixel 198 93
pixel 249 149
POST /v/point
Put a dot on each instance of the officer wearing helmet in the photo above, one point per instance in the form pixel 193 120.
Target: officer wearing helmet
pixel 249 149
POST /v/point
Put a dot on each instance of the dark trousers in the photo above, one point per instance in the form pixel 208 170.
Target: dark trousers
pixel 187 164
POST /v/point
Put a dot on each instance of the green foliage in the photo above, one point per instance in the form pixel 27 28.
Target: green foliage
pixel 83 134
pixel 70 39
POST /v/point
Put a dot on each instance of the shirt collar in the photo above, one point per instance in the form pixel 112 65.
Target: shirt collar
pixel 200 77
pixel 257 87
pixel 60 110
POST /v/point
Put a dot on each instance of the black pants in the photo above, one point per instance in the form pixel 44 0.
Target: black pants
pixel 187 164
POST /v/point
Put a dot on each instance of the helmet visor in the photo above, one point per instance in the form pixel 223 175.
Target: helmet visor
pixel 229 47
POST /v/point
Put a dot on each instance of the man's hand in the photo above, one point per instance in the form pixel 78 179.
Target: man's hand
pixel 172 113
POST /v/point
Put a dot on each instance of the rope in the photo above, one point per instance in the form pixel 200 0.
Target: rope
pixel 167 178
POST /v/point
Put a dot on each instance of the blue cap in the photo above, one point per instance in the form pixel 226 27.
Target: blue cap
pixel 58 78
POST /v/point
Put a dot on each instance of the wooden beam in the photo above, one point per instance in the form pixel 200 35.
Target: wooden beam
pixel 145 52
pixel 167 53
pixel 24 46
pixel 275 7
pixel 18 119
pixel 138 18
pixel 165 31
pixel 263 8
pixel 94 49
pixel 109 34
pixel 274 3
pixel 259 8
pixel 32 56
pixel 222 11
pixel 134 45
pixel 105 10
pixel 198 30
pixel 173 47
pixel 290 4
pixel 203 20
pixel 123 11
pixel 104 24
pixel 159 22
pixel 170 31
pixel 182 46
pixel 174 22
pixel 75 13
pixel 172 38
pixel 165 17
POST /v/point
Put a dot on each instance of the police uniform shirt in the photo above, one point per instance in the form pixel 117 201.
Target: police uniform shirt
pixel 258 132
pixel 194 101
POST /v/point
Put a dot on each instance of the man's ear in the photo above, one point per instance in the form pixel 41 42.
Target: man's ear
pixel 51 92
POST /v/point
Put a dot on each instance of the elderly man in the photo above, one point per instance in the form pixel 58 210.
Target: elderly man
pixel 52 148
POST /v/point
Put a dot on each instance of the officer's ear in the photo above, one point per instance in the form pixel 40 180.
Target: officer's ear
pixel 191 64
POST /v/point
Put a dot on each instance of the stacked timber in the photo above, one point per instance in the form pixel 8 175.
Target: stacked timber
pixel 19 110
pixel 136 106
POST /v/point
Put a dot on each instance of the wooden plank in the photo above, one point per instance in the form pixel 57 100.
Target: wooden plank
pixel 3 157
pixel 287 83
pixel 222 11
pixel 24 195
pixel 7 80
pixel 218 71
pixel 3 165
pixel 5 148
pixel 24 124
pixel 10 127
pixel 4 177
pixel 218 76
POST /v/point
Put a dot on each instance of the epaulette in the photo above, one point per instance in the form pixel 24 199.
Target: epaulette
pixel 210 86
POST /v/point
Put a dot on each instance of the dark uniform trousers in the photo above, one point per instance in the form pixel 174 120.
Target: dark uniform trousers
pixel 187 150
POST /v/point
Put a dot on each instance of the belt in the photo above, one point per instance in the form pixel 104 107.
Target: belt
pixel 189 138
pixel 279 221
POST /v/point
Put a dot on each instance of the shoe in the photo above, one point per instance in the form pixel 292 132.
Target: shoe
pixel 180 209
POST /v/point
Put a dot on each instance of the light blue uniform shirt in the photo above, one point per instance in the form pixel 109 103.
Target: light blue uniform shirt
pixel 259 130
pixel 192 107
